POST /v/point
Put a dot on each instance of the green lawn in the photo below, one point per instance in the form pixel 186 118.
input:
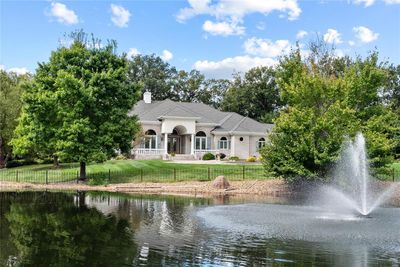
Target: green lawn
pixel 117 171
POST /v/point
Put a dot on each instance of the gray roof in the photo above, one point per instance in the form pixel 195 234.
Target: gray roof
pixel 224 121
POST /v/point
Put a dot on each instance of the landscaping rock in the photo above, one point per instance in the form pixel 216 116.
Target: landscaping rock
pixel 220 183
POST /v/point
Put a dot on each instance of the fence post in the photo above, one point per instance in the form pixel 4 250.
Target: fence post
pixel 47 176
pixel 209 174
pixel 16 176
pixel 141 175
pixel 243 173
pixel 77 176
pixel 109 175
pixel 174 174
pixel 393 174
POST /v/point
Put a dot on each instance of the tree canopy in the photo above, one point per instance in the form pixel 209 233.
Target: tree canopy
pixel 328 98
pixel 10 108
pixel 255 95
pixel 76 107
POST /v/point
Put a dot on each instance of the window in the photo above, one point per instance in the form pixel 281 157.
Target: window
pixel 150 140
pixel 201 141
pixel 223 143
pixel 260 143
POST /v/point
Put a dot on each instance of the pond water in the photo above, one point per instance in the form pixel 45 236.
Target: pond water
pixel 108 229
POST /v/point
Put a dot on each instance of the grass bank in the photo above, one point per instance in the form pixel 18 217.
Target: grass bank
pixel 124 171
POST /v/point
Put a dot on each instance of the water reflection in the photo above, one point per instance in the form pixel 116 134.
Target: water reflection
pixel 104 229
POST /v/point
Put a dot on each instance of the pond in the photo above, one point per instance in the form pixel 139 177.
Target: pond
pixel 110 229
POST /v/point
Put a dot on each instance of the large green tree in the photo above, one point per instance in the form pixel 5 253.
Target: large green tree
pixel 165 81
pixel 77 104
pixel 327 98
pixel 10 108
pixel 155 75
pixel 255 95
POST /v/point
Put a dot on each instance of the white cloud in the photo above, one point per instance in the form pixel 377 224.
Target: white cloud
pixel 226 67
pixel 352 43
pixel 224 28
pixel 63 14
pixel 266 48
pixel 2 67
pixel 120 16
pixel 261 26
pixel 132 52
pixel 366 3
pixel 365 35
pixel 301 34
pixel 238 9
pixel 332 36
pixel 166 55
pixel 18 71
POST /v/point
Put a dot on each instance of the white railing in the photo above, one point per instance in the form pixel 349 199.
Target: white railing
pixel 147 151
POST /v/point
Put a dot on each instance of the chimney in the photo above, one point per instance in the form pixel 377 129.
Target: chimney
pixel 147 97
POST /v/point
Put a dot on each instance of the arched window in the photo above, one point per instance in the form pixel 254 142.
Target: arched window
pixel 260 143
pixel 201 141
pixel 223 143
pixel 150 139
pixel 150 132
pixel 201 133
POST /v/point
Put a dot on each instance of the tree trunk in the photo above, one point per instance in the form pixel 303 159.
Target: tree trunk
pixel 56 165
pixel 81 199
pixel 2 154
pixel 82 174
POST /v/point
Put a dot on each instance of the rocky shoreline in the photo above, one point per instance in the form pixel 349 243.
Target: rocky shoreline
pixel 270 188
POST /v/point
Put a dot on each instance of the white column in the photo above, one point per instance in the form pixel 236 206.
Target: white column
pixel 192 145
pixel 233 139
pixel 166 143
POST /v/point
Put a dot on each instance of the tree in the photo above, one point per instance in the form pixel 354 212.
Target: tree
pixel 391 89
pixel 77 104
pixel 327 99
pixel 165 81
pixel 10 108
pixel 59 233
pixel 155 75
pixel 256 95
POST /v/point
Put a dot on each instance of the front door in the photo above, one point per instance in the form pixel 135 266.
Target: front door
pixel 174 144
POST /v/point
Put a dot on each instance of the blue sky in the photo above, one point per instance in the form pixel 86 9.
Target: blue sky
pixel 216 37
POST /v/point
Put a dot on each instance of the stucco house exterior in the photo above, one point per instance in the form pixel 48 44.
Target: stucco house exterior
pixel 189 130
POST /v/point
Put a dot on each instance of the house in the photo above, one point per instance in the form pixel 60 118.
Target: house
pixel 189 130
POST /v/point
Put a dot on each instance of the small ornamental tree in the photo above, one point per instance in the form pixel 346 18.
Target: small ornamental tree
pixel 76 107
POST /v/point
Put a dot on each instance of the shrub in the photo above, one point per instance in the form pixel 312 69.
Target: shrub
pixel 234 158
pixel 19 162
pixel 120 157
pixel 208 156
pixel 251 159
pixel 222 155
pixel 172 154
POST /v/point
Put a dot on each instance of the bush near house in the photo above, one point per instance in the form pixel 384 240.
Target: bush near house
pixel 221 155
pixel 251 159
pixel 234 158
pixel 208 156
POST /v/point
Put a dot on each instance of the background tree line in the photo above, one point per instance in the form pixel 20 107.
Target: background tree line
pixel 73 106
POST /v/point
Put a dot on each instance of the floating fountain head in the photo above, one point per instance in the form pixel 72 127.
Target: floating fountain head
pixel 353 189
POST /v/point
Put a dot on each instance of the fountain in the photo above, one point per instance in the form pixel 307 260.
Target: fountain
pixel 345 212
pixel 352 188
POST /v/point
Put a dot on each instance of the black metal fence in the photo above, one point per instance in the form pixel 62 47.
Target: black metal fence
pixel 233 173
pixel 135 175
